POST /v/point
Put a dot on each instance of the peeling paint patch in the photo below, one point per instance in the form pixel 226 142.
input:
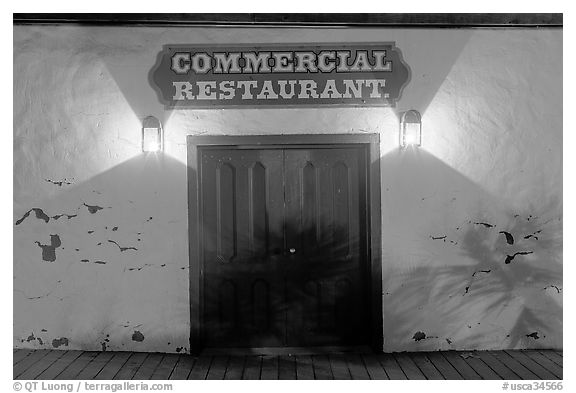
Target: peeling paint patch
pixel 114 229
pixel 39 215
pixel 509 237
pixel 122 249
pixel 32 338
pixel 137 336
pixel 419 336
pixel 485 224
pixel 58 183
pixel 449 341
pixel 533 235
pixel 93 209
pixel 49 251
pixel 439 238
pixel 509 258
pixel 143 266
pixel 68 216
pixel 57 342
pixel 533 335
pixel 553 286
pixel 98 262
pixel 481 271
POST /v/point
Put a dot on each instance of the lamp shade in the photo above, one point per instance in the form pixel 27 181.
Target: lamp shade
pixel 152 135
pixel 410 129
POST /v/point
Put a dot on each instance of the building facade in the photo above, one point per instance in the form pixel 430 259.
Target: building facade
pixel 459 239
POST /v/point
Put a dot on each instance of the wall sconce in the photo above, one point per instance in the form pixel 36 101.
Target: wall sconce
pixel 410 129
pixel 152 135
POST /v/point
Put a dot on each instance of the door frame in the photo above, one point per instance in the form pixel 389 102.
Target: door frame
pixel 374 216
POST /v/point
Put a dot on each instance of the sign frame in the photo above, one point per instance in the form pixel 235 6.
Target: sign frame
pixel 289 46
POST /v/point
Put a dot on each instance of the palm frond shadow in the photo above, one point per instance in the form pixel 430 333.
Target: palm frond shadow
pixel 510 283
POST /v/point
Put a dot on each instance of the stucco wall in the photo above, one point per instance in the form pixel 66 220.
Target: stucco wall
pixel 102 260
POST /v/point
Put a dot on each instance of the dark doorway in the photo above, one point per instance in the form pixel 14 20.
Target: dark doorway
pixel 284 239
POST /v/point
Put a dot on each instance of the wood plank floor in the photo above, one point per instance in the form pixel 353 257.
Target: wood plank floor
pixel 508 364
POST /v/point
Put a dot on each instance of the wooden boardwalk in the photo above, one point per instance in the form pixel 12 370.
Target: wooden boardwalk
pixel 508 365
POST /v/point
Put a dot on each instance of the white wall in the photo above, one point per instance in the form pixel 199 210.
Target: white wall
pixel 491 102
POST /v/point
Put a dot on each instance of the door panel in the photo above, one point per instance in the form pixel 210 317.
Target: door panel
pixel 243 213
pixel 325 230
pixel 284 247
pixel 226 245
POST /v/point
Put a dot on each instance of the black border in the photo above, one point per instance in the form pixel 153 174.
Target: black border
pixel 419 20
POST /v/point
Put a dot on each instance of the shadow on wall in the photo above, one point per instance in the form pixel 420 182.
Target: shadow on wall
pixel 437 55
pixel 104 264
pixel 461 270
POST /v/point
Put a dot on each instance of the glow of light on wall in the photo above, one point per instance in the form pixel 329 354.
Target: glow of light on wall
pixel 444 136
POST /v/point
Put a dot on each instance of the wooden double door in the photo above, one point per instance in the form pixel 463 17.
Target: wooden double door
pixel 284 246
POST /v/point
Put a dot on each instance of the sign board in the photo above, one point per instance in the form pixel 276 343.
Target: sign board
pixel 191 76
